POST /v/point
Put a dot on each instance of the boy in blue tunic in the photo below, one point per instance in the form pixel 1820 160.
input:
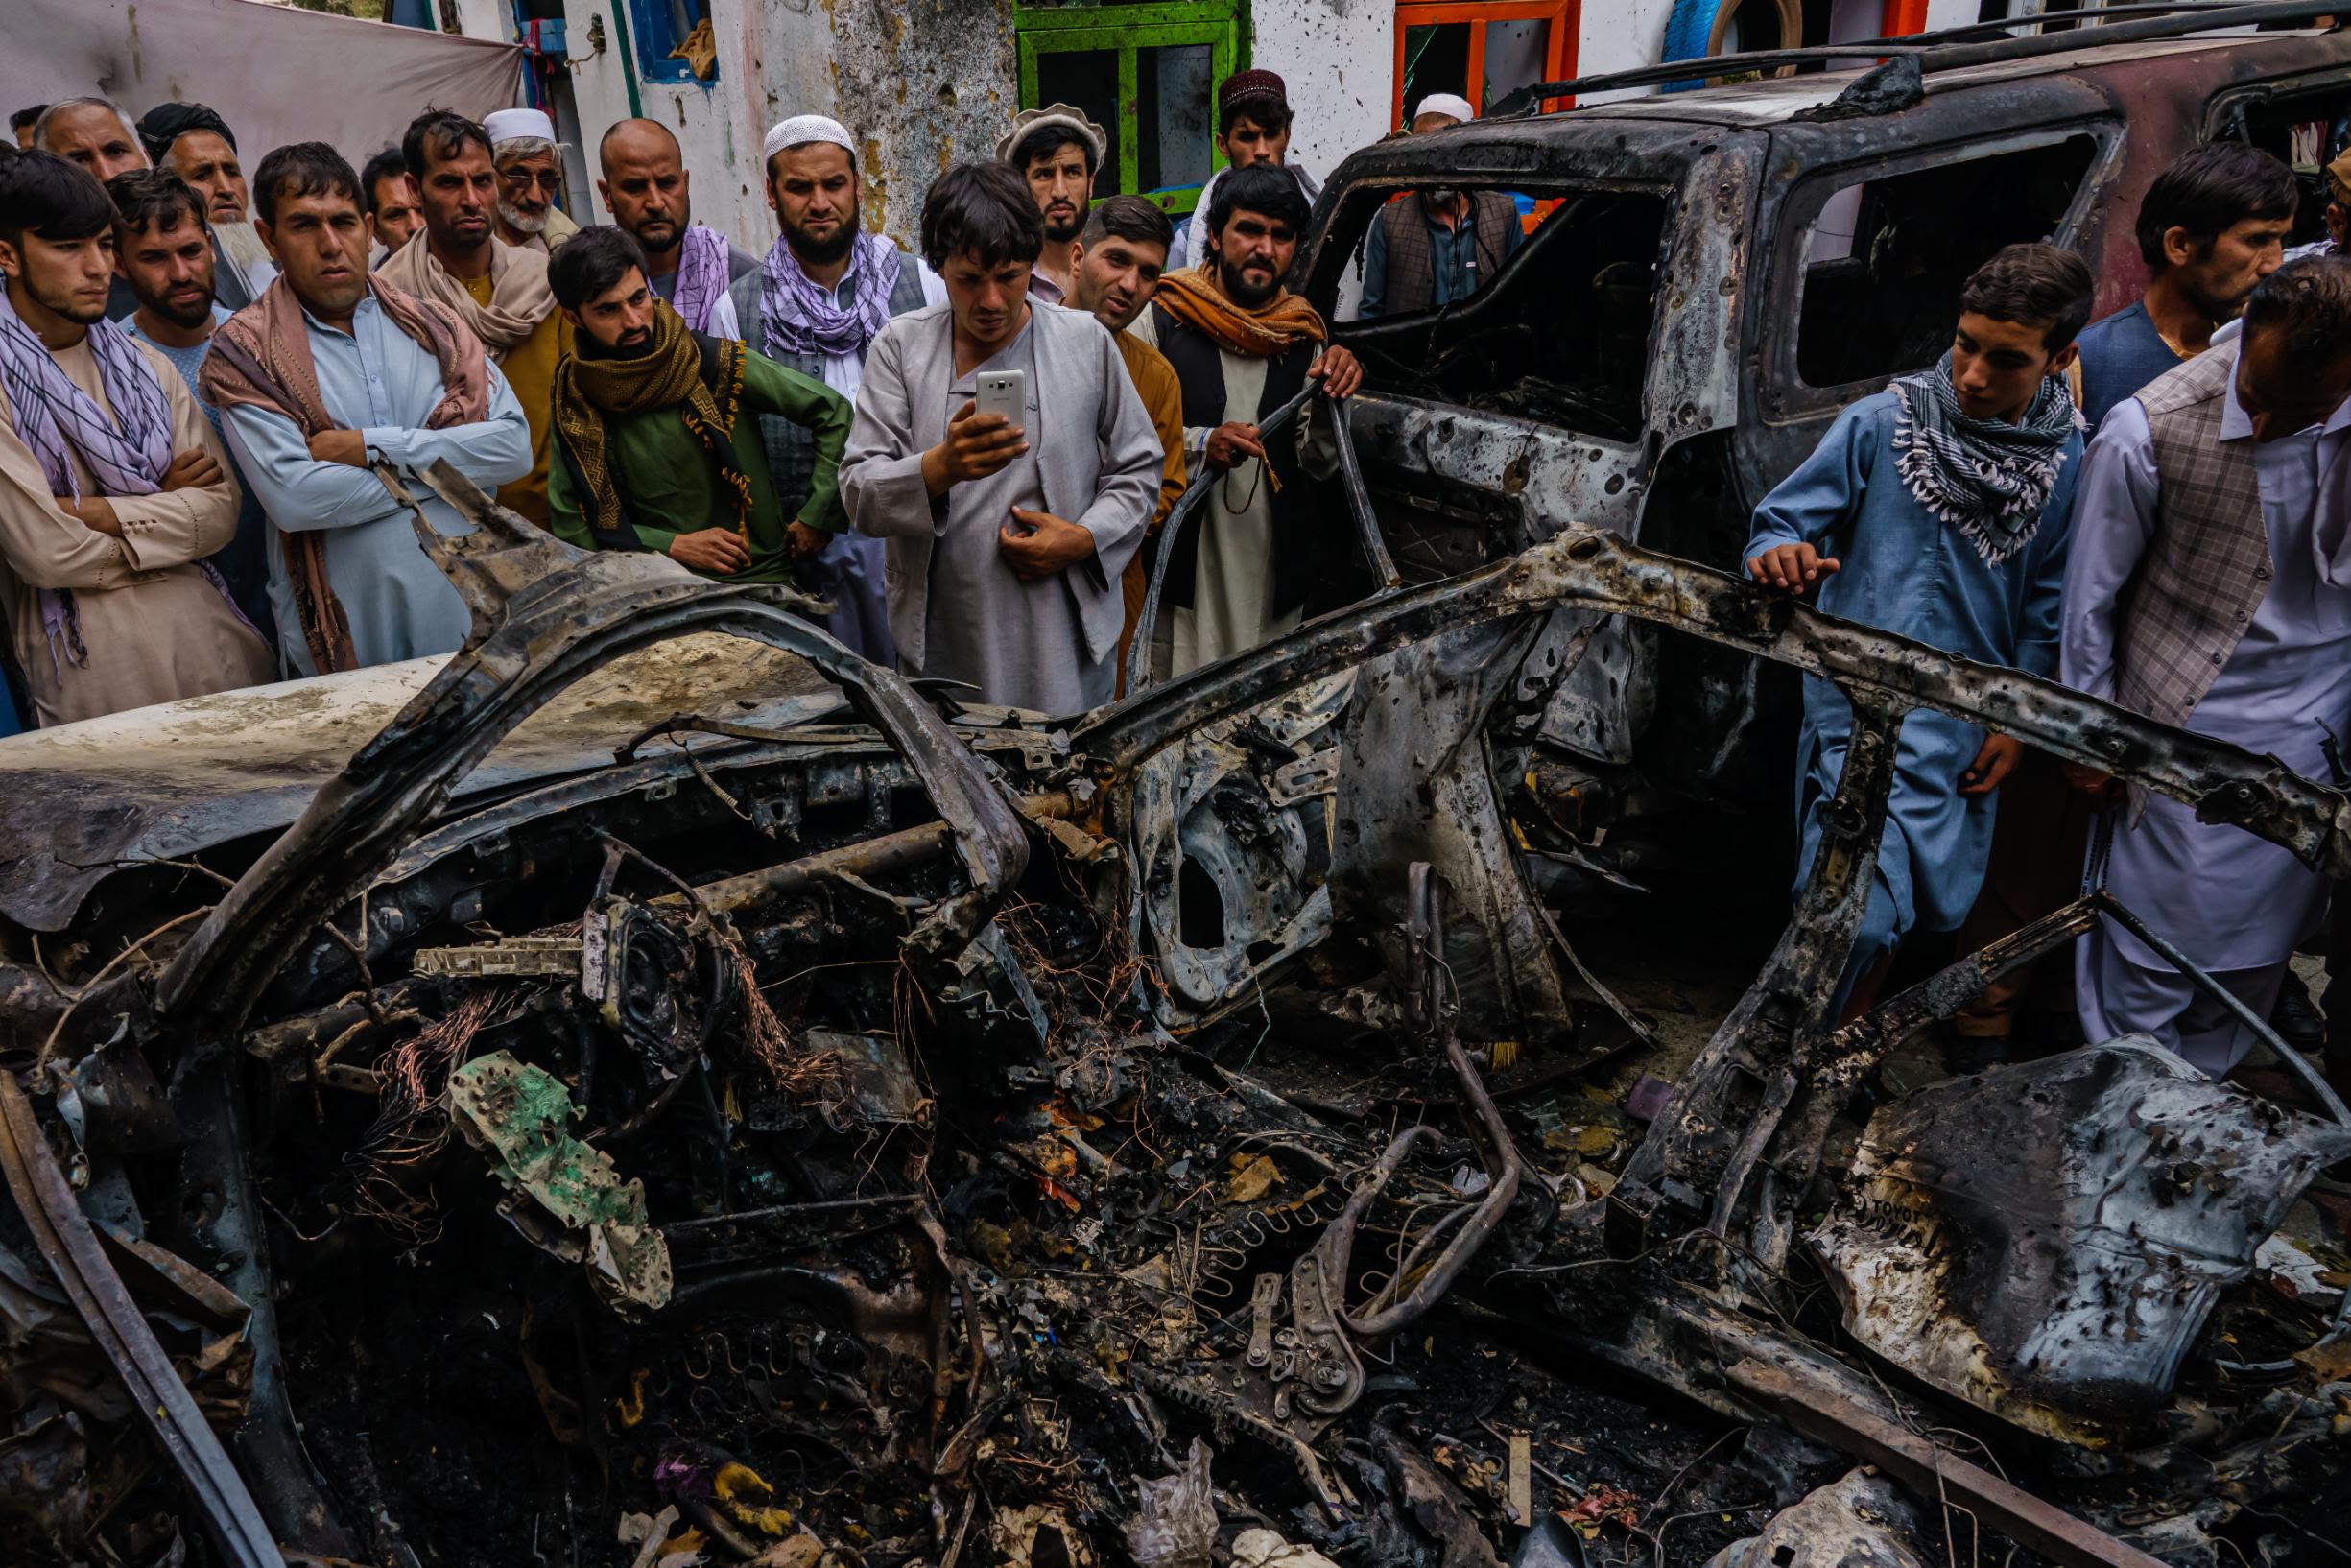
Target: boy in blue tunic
pixel 1938 509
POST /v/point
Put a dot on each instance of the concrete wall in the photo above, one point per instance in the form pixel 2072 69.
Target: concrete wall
pixel 707 117
pixel 1338 58
pixel 922 85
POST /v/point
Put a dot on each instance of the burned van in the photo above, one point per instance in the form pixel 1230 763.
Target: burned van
pixel 1709 276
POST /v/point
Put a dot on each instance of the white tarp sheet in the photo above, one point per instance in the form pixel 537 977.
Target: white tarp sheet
pixel 275 74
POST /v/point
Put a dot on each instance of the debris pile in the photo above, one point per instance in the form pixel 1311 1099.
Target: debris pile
pixel 910 1134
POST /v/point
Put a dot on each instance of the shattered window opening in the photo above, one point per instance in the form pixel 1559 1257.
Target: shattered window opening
pixel 1561 334
pixel 1885 255
pixel 2301 123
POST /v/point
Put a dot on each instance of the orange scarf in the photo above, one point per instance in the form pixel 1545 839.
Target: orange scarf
pixel 1192 297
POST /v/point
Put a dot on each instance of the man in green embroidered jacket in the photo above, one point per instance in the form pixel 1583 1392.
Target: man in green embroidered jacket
pixel 653 450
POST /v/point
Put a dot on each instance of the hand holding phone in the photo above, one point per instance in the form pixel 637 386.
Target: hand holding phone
pixel 977 445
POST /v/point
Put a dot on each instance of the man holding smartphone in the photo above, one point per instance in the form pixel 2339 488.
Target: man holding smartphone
pixel 1006 535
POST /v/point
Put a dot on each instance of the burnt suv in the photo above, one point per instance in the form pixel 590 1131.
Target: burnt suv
pixel 1714 275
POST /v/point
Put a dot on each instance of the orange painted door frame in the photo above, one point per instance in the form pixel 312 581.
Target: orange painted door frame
pixel 1559 53
pixel 1902 17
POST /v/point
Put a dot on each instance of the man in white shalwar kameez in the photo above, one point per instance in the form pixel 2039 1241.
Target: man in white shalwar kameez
pixel 2210 587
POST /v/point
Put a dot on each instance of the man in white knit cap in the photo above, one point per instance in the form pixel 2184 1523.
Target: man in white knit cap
pixel 530 162
pixel 814 304
pixel 1437 246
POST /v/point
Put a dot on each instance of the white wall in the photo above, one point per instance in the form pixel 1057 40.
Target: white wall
pixel 1338 58
pixel 1621 36
pixel 705 117
pixel 485 19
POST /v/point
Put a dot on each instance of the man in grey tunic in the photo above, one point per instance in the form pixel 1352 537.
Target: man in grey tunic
pixel 1006 540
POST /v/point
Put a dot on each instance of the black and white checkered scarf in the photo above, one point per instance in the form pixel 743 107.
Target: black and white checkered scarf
pixel 1985 477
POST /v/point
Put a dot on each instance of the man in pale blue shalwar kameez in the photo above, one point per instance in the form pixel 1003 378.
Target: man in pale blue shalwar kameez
pixel 1938 509
pixel 2211 588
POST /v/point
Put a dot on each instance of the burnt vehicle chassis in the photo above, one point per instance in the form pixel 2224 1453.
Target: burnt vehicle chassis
pixel 921 1132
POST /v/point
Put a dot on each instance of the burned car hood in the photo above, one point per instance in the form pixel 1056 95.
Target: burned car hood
pixel 159 782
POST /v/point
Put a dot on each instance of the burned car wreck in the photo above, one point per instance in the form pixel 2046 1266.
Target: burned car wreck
pixel 657 1089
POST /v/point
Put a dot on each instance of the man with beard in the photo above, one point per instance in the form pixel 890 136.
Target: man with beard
pixel 1056 149
pixel 1436 248
pixel 163 251
pixel 813 306
pixel 393 213
pixel 194 143
pixel 331 370
pixel 499 291
pixel 2210 227
pixel 2209 588
pixel 1253 127
pixel 529 165
pixel 648 414
pixel 1006 538
pixel 111 491
pixel 1242 345
pixel 688 264
pixel 1122 253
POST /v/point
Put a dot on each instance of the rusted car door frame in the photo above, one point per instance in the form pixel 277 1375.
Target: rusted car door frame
pixel 1555 475
pixel 1593 575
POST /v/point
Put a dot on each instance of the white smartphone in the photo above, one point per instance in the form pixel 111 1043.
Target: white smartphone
pixel 1005 393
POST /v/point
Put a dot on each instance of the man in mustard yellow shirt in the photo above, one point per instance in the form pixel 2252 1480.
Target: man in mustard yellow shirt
pixel 499 291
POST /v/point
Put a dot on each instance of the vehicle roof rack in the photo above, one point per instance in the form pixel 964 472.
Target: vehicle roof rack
pixel 1953 48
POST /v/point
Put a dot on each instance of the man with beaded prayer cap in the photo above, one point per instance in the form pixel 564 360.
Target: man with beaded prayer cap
pixel 1939 509
pixel 814 305
pixel 529 161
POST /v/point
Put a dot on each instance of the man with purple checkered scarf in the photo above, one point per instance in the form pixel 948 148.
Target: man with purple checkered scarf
pixel 112 493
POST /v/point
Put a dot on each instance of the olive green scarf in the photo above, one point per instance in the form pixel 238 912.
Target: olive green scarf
pixel 701 377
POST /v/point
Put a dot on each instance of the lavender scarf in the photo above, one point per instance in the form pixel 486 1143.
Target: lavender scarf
pixel 804 318
pixel 701 276
pixel 126 453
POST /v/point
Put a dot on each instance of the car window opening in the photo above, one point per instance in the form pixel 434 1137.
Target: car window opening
pixel 1561 336
pixel 1885 257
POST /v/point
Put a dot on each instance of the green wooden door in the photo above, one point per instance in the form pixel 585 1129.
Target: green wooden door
pixel 1147 74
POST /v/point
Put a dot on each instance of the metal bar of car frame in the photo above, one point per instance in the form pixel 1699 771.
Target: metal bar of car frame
pixel 1947 49
pixel 64 1235
pixel 1147 621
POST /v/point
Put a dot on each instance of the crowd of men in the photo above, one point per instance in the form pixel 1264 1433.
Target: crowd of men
pixel 964 447
pixel 204 417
